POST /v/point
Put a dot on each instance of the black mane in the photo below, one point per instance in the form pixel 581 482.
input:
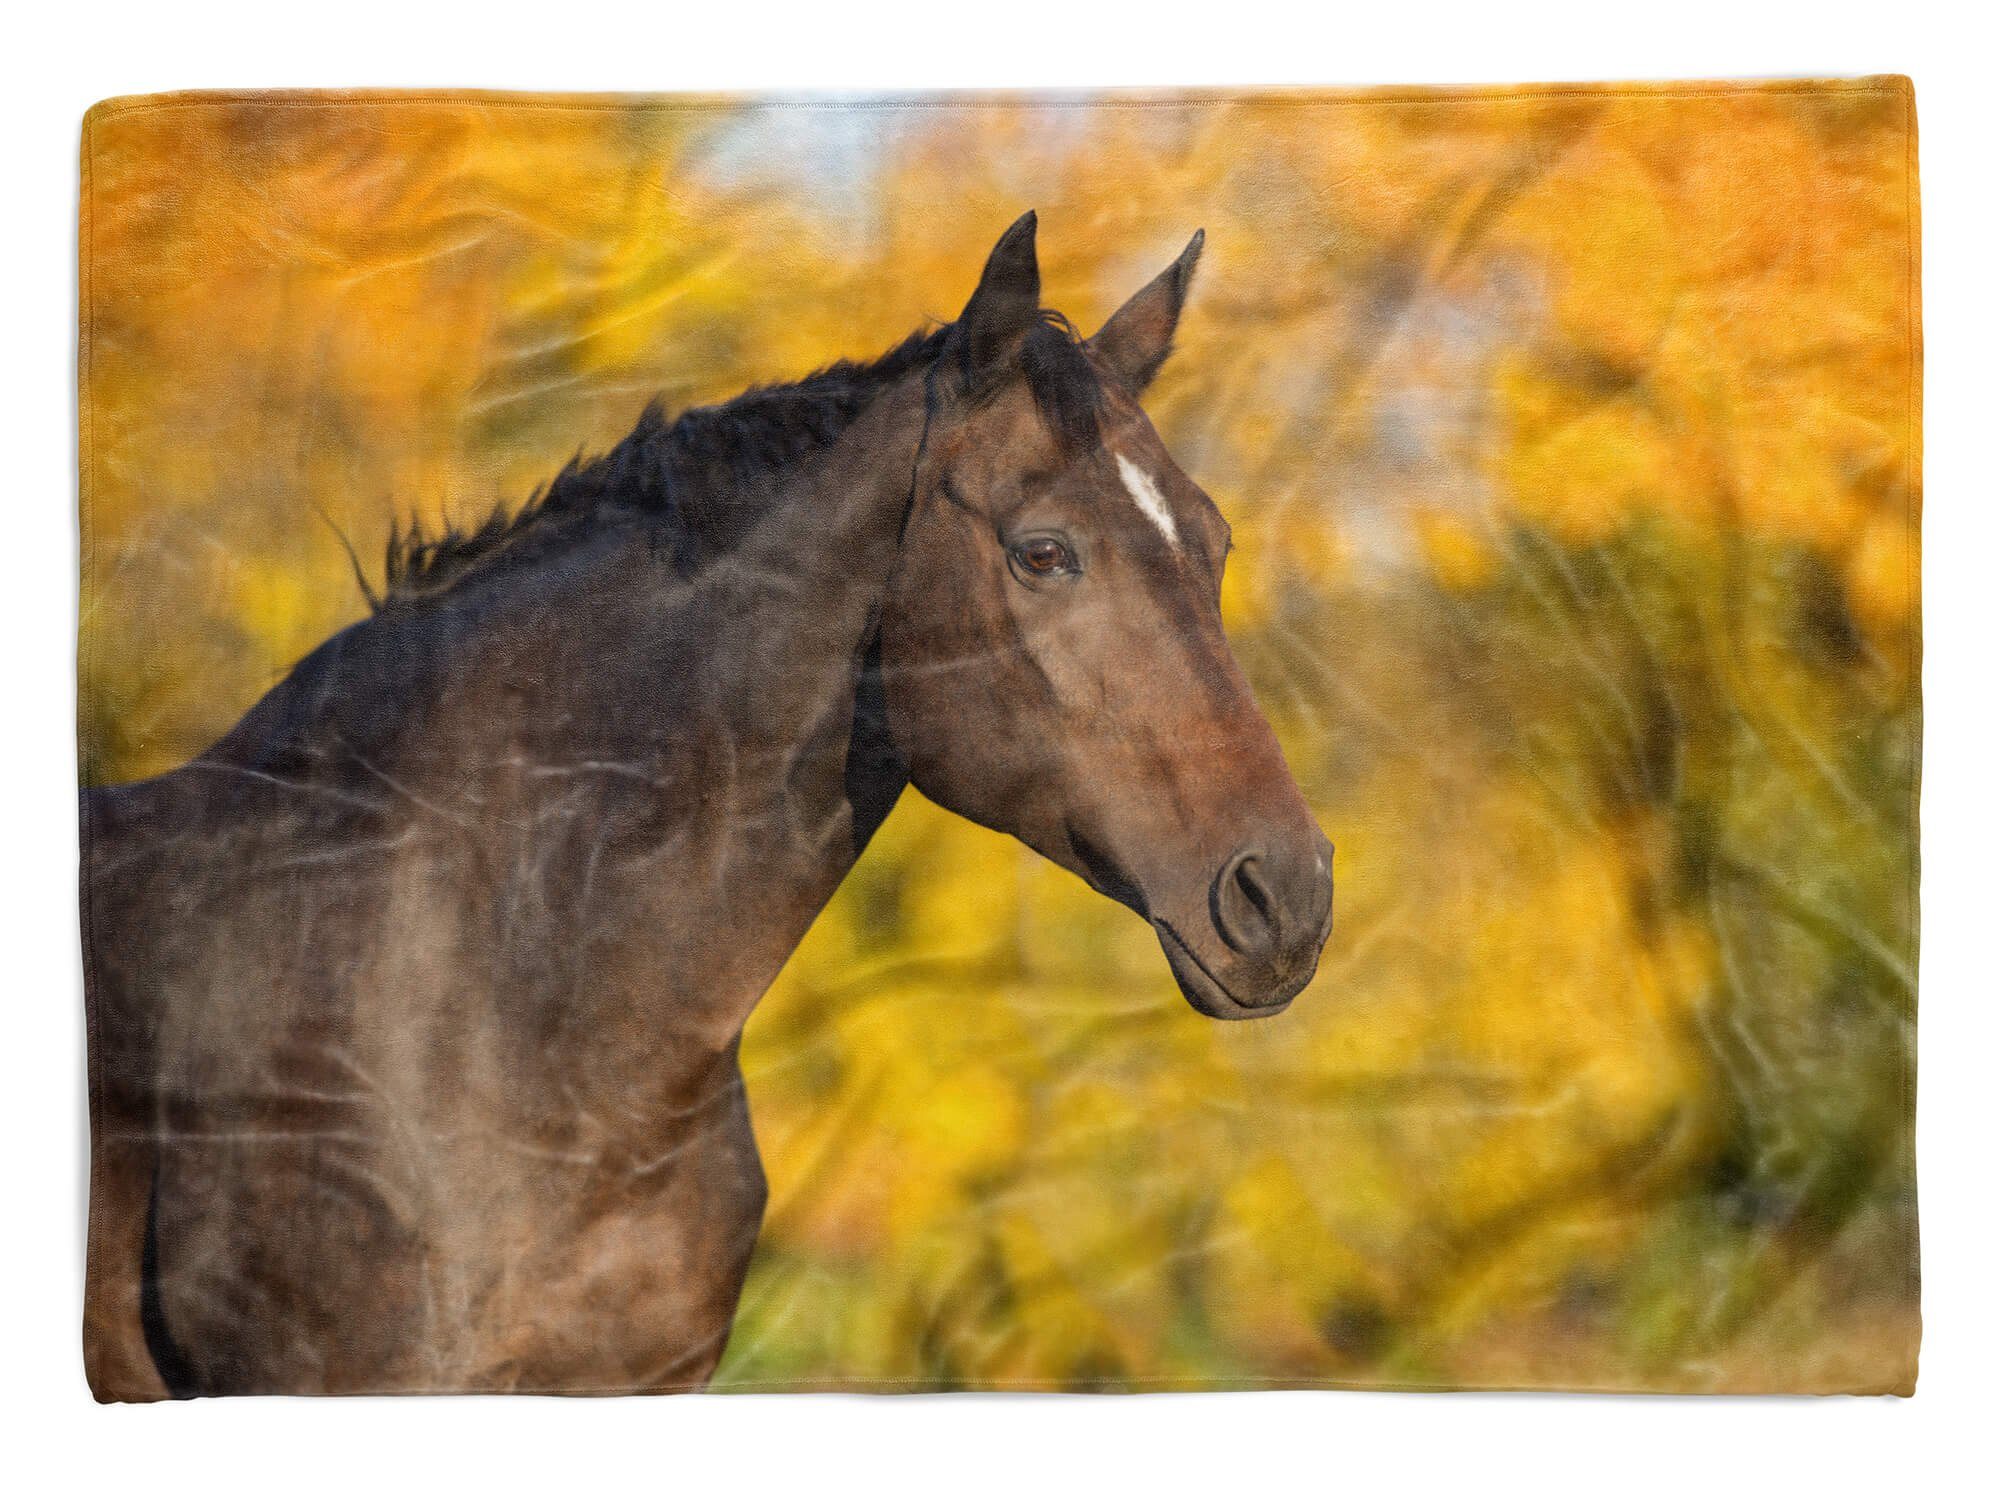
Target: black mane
pixel 709 474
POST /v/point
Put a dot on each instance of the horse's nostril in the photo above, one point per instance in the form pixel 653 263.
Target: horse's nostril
pixel 1250 878
pixel 1247 912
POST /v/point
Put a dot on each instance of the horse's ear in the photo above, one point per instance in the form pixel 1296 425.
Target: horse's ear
pixel 1135 342
pixel 1007 301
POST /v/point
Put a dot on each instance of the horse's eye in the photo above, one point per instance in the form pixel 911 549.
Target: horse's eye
pixel 1044 555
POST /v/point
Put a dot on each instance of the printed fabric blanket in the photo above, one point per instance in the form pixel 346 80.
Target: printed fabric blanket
pixel 1102 742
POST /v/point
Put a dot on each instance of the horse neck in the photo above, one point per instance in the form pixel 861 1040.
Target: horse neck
pixel 675 774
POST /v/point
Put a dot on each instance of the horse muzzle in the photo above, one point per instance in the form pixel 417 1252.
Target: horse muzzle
pixel 1270 911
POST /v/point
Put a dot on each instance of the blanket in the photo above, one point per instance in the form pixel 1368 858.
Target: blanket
pixel 1102 742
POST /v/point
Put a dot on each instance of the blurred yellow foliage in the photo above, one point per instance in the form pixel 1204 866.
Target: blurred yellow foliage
pixel 1567 437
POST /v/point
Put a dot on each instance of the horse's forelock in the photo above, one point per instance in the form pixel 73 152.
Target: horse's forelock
pixel 1066 388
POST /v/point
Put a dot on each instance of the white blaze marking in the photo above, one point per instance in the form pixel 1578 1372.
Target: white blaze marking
pixel 1147 495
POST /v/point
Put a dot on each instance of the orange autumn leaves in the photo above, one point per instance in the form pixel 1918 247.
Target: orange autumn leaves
pixel 1567 442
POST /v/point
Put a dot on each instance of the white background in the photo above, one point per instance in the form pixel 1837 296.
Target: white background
pixel 68 55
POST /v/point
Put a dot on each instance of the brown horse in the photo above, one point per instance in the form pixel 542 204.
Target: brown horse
pixel 415 1001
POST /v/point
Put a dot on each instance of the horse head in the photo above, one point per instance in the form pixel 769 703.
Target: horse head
pixel 1053 661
